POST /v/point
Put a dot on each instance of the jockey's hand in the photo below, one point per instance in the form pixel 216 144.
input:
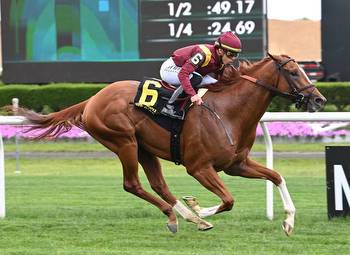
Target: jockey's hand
pixel 196 100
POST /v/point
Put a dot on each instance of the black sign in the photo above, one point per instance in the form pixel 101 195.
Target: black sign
pixel 181 23
pixel 335 39
pixel 338 180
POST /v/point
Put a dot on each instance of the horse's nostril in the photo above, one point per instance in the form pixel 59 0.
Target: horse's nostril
pixel 319 101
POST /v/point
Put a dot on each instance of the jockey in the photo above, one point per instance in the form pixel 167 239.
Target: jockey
pixel 190 66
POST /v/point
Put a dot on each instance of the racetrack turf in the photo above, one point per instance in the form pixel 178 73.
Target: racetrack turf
pixel 76 206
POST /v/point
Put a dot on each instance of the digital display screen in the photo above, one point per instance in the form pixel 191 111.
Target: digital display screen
pixel 181 23
pixel 131 33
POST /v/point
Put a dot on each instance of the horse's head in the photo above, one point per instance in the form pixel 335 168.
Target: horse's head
pixel 294 83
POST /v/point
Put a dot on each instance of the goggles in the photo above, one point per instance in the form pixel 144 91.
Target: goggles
pixel 231 54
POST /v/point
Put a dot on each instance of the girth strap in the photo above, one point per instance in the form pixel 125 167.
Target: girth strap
pixel 175 135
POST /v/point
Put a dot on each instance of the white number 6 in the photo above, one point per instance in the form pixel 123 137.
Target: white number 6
pixel 196 59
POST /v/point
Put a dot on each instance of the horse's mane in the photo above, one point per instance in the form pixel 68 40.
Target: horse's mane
pixel 247 67
pixel 232 77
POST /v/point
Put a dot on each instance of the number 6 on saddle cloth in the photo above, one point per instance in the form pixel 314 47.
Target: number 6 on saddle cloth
pixel 153 94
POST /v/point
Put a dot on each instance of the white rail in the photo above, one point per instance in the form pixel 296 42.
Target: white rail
pixel 268 117
pixel 290 116
pixel 305 116
pixel 6 120
pixel 2 180
pixel 13 120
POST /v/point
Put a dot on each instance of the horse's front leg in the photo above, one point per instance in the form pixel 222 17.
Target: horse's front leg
pixel 252 169
pixel 209 178
pixel 289 208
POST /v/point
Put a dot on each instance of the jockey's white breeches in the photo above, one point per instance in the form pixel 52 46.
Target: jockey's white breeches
pixel 169 73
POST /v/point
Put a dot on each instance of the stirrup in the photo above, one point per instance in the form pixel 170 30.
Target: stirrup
pixel 172 113
pixel 169 107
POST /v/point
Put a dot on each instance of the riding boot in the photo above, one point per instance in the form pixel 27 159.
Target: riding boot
pixel 169 108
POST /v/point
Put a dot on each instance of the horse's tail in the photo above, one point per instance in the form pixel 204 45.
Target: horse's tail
pixel 55 123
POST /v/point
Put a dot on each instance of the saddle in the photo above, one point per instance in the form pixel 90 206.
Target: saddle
pixel 153 94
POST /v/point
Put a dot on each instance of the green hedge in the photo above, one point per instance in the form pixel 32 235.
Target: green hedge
pixel 48 98
pixel 54 97
pixel 336 93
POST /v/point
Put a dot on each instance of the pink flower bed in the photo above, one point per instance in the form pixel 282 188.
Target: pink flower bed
pixel 277 129
pixel 8 132
pixel 303 129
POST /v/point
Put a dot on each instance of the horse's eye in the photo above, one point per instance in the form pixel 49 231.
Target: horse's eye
pixel 294 73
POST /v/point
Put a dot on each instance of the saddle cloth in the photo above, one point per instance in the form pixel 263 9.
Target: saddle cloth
pixel 151 97
pixel 153 94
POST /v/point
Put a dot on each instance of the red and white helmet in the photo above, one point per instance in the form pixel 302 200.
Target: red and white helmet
pixel 229 41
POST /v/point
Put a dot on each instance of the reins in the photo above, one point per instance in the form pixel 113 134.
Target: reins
pixel 220 120
pixel 294 95
pixel 271 88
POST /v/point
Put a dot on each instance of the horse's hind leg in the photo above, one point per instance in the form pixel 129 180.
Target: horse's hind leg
pixel 252 169
pixel 152 168
pixel 128 155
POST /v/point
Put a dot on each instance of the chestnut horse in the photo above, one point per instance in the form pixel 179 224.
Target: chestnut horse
pixel 112 119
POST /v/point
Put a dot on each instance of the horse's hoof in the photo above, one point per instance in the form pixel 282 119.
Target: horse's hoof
pixel 287 228
pixel 172 228
pixel 204 225
pixel 192 203
pixel 190 200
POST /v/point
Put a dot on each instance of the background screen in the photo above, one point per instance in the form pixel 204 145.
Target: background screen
pixel 73 30
pixel 107 40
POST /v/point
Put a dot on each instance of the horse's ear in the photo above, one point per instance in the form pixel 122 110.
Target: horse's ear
pixel 271 56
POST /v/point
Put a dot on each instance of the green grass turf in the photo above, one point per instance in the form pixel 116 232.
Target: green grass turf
pixel 76 206
pixel 54 146
pixel 91 146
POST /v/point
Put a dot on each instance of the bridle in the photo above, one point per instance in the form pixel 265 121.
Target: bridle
pixel 294 94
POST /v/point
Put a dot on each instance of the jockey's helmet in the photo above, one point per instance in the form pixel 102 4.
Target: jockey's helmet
pixel 229 42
